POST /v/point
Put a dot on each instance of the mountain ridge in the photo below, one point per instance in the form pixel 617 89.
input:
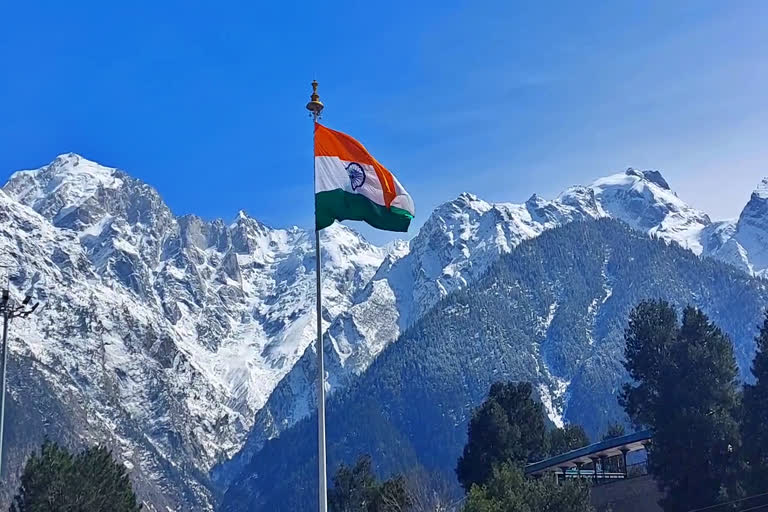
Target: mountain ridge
pixel 198 330
pixel 191 322
pixel 456 244
pixel 552 312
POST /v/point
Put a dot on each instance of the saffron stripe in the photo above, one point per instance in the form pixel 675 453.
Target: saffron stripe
pixel 332 143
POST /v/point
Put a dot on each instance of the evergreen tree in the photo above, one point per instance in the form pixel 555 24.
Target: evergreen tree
pixel 55 481
pixel 508 490
pixel 685 390
pixel 566 439
pixel 356 489
pixel 42 483
pixel 508 427
pixel 755 419
pixel 649 337
pixel 614 430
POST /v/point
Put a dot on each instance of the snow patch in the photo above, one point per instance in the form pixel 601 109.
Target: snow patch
pixel 552 398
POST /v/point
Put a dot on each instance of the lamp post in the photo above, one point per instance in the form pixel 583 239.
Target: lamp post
pixel 10 309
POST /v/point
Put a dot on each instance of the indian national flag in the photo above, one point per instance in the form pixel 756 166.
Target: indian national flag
pixel 351 185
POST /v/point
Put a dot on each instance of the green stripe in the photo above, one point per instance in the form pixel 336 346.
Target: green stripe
pixel 338 204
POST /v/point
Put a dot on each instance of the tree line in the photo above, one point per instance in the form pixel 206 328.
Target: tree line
pixel 710 433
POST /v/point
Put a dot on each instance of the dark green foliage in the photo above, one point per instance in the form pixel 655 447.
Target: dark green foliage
pixel 505 432
pixel 508 491
pixel 566 439
pixel 355 489
pixel 508 427
pixel 57 481
pixel 614 430
pixel 649 338
pixel 686 391
pixel 755 419
pixel 413 405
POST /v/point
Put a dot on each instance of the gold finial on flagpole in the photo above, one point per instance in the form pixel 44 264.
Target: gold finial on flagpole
pixel 315 106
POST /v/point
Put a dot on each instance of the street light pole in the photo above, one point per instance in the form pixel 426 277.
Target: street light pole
pixel 9 309
pixel 4 363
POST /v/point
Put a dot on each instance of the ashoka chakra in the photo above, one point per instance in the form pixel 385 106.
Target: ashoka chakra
pixel 356 175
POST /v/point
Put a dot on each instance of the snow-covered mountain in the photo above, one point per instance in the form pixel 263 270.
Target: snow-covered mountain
pixel 744 242
pixel 171 331
pixel 551 313
pixel 458 242
pixel 181 342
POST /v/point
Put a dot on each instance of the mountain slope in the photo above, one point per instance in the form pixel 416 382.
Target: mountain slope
pixel 552 312
pixel 459 241
pixel 159 335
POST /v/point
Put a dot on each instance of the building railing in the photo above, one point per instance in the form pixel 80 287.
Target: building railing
pixel 638 469
pixel 601 477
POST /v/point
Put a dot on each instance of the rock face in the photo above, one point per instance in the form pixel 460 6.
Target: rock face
pixel 182 342
pixel 159 335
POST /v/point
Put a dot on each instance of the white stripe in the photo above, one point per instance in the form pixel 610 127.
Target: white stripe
pixel 331 174
pixel 403 199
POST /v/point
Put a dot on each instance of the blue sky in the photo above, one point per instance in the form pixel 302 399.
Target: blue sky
pixel 205 101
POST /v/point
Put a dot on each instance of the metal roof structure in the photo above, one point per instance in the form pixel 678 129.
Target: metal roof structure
pixel 589 454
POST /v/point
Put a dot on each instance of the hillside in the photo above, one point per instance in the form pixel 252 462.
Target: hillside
pixel 551 312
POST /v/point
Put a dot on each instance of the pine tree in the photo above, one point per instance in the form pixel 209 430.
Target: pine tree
pixel 685 390
pixel 651 333
pixel 566 439
pixel 614 430
pixel 507 490
pixel 43 484
pixel 755 418
pixel 508 427
pixel 356 489
pixel 54 480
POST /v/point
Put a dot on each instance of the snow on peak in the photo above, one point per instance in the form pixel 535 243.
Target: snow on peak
pixel 397 248
pixel 344 246
pixel 652 176
pixel 454 220
pixel 744 243
pixel 465 201
pixel 761 191
pixel 643 200
pixel 69 181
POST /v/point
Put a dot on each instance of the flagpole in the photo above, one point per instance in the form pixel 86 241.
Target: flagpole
pixel 315 107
